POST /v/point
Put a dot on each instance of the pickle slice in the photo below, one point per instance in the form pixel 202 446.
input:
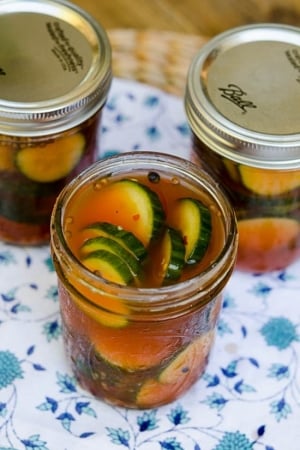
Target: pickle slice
pixel 132 206
pixel 193 220
pixel 168 259
pixel 125 238
pixel 269 182
pixel 113 246
pixel 179 374
pixel 109 266
pixel 53 161
pixel 266 234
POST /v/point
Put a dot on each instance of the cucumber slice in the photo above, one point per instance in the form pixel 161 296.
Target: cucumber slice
pixel 133 206
pixel 190 358
pixel 113 246
pixel 182 371
pixel 109 266
pixel 53 161
pixel 171 255
pixel 193 220
pixel 267 234
pixel 123 237
pixel 269 182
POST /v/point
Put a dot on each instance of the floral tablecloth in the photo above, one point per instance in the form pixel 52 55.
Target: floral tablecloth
pixel 249 396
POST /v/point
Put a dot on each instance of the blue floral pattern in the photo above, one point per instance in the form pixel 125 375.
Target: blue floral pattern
pixel 249 395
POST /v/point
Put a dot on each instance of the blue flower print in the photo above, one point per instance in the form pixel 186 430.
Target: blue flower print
pixel 279 371
pixel 216 401
pixel 151 100
pixel 3 410
pixel 7 448
pixel 52 330
pixel 170 444
pixel 10 369
pixel 49 263
pixel 147 421
pixel 178 416
pixel 66 383
pixel 281 409
pixel 279 332
pixel 118 436
pixel 52 293
pixel 261 290
pixel 34 443
pixel 153 133
pixel 234 441
pixel 109 153
pixel 6 258
pixel 229 301
pixel 183 129
pixel 223 328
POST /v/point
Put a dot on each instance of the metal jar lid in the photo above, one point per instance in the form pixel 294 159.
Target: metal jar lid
pixel 243 95
pixel 55 66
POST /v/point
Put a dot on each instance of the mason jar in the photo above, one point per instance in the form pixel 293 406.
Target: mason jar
pixel 55 74
pixel 139 324
pixel 242 104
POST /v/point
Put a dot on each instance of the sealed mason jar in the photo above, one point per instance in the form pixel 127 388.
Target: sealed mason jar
pixel 242 102
pixel 55 73
pixel 143 245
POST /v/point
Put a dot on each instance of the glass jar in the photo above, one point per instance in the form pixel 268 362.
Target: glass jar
pixel 139 344
pixel 242 103
pixel 55 73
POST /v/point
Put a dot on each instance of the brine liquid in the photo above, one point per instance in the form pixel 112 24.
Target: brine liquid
pixel 89 205
pixel 115 354
pixel 267 207
pixel 26 203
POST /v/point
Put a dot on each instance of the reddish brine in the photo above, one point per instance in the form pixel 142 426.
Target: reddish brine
pixel 139 319
pixel 50 109
pixel 32 173
pixel 246 133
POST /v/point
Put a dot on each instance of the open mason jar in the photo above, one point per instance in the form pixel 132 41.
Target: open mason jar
pixel 143 245
pixel 242 103
pixel 55 73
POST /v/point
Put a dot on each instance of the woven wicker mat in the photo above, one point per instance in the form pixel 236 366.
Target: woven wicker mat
pixel 157 58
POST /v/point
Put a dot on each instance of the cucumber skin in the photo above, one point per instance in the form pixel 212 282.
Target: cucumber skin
pixel 247 204
pixel 159 215
pixel 205 235
pixel 157 209
pixel 204 232
pixel 114 231
pixel 114 260
pixel 110 244
pixel 176 259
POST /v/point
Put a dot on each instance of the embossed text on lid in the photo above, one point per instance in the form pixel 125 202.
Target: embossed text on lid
pixel 243 95
pixel 55 66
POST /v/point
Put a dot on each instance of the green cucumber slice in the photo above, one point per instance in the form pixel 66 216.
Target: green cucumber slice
pixel 109 266
pixel 269 182
pixel 51 162
pixel 172 254
pixel 133 206
pixel 148 207
pixel 113 246
pixel 123 237
pixel 193 220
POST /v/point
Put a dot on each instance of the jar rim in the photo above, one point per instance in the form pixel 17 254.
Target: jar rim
pixel 222 126
pixel 70 80
pixel 164 295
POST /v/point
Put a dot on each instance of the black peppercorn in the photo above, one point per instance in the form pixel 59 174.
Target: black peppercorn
pixel 153 177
